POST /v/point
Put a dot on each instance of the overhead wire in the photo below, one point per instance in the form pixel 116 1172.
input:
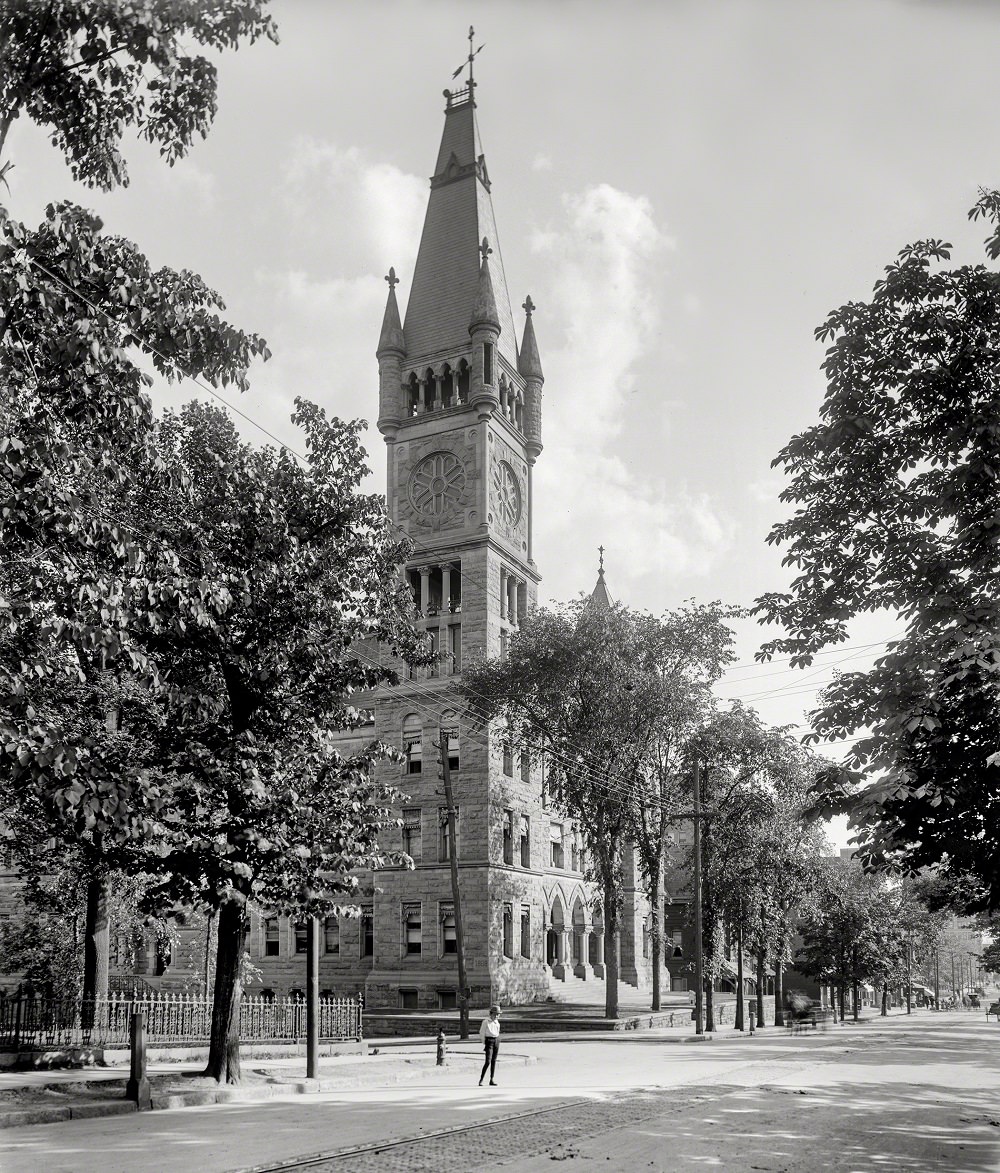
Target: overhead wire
pixel 413 539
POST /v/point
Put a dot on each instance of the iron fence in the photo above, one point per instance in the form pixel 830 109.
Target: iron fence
pixel 29 1023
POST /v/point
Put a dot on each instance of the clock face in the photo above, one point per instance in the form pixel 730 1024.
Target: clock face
pixel 506 493
pixel 437 484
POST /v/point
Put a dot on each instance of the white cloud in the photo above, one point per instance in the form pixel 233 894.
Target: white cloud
pixel 541 162
pixel 369 211
pixel 349 219
pixel 604 268
pixel 190 182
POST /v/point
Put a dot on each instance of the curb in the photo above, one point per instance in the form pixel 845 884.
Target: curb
pixel 17 1119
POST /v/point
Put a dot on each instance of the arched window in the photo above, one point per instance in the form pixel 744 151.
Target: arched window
pixel 413 743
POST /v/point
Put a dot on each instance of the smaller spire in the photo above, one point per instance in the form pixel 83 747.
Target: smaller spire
pixel 599 596
pixel 529 365
pixel 484 310
pixel 391 337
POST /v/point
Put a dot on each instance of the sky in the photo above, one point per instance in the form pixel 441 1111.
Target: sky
pixel 685 189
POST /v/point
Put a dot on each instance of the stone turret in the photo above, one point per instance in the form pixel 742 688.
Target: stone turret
pixel 391 352
pixel 529 367
pixel 484 330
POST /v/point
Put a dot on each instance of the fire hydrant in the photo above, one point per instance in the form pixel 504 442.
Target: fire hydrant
pixel 442 1047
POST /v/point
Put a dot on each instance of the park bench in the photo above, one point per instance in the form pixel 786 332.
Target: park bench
pixel 994 1009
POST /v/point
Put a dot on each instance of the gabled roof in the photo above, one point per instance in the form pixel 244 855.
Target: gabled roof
pixel 459 215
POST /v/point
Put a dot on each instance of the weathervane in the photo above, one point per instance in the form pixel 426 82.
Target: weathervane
pixel 468 61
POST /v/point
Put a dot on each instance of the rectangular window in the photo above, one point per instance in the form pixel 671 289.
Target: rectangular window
pixel 455 646
pixel 524 765
pixel 444 837
pixel 508 759
pixel 447 1000
pixel 367 932
pixel 412 833
pixel 408 1000
pixel 412 933
pixel 645 940
pixel 301 937
pixel 488 363
pixel 454 757
pixel 677 943
pixel 449 937
pixel 525 842
pixel 331 936
pixel 575 854
pixel 434 647
pixel 525 931
pixel 508 837
pixel 508 931
pixel 272 937
pixel 556 845
pixel 503 643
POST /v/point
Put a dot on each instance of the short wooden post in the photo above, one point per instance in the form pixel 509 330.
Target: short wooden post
pixel 137 1089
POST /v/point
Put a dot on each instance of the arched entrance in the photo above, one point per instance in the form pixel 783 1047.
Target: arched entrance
pixel 555 935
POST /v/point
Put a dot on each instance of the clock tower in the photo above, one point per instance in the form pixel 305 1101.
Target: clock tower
pixel 460 412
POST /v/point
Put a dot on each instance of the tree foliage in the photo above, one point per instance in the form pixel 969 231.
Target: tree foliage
pixel 86 70
pixel 896 492
pixel 263 806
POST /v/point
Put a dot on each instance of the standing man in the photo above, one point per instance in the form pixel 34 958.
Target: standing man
pixel 489 1032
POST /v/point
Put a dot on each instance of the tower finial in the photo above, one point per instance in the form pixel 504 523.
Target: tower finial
pixel 473 53
pixel 528 306
pixel 392 278
pixel 485 249
pixel 600 550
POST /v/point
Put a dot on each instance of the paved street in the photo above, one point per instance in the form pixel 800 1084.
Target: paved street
pixel 892 1094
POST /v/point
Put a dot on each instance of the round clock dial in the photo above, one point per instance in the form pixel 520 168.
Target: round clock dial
pixel 507 493
pixel 437 484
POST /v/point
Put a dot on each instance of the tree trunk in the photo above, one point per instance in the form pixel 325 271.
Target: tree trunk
pixel 842 989
pixel 760 987
pixel 95 949
pixel 779 993
pixel 738 1023
pixel 610 950
pixel 657 911
pixel 224 1043
pixel 709 1004
pixel 856 993
pixel 885 999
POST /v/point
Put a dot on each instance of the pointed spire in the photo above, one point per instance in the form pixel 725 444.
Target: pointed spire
pixel 447 276
pixel 529 365
pixel 599 596
pixel 391 338
pixel 484 309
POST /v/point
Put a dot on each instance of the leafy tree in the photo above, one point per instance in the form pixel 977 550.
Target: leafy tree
pixel 846 938
pixel 675 658
pixel 88 69
pixel 759 859
pixel 263 808
pixel 896 511
pixel 989 959
pixel 77 581
pixel 567 689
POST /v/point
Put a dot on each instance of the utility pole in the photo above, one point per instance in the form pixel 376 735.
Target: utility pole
pixel 909 973
pixel 456 895
pixel 312 998
pixel 699 979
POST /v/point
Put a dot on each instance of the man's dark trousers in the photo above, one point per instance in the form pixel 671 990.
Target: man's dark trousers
pixel 492 1050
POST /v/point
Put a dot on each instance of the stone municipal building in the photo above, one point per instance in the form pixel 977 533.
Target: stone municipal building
pixel 460 409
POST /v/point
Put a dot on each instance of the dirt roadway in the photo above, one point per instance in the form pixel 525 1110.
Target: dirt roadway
pixel 923 1095
pixel 896 1094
